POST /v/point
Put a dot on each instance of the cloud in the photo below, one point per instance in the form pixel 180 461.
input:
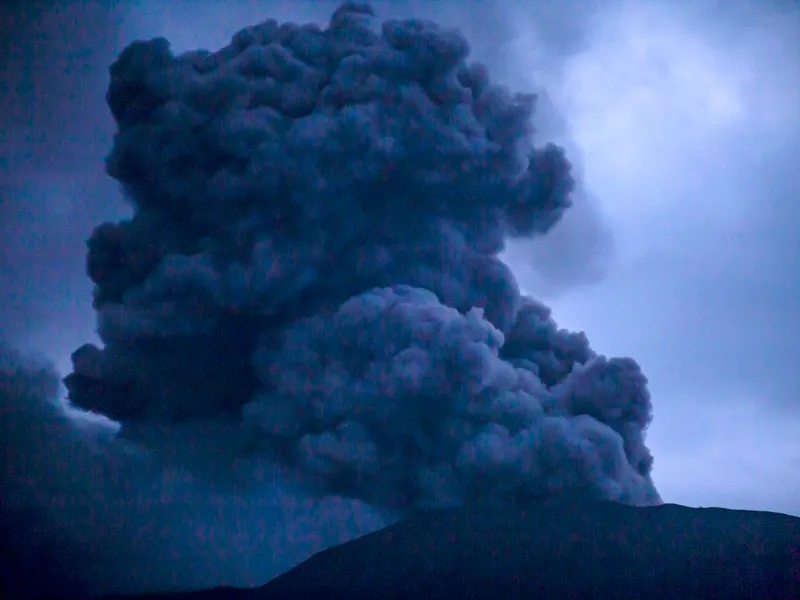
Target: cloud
pixel 700 191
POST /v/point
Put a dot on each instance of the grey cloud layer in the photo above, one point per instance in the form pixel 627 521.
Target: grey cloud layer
pixel 701 187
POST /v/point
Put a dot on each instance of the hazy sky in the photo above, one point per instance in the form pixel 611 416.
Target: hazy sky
pixel 683 119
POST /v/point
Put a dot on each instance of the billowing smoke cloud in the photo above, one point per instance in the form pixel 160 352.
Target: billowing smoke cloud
pixel 307 327
pixel 318 214
pixel 83 512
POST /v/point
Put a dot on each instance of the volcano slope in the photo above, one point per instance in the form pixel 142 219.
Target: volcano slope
pixel 554 549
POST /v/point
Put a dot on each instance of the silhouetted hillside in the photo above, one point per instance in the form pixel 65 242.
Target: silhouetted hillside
pixel 592 551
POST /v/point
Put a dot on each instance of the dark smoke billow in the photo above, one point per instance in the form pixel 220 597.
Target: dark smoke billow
pixel 314 252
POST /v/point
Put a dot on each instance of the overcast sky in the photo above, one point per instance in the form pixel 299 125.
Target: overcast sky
pixel 683 120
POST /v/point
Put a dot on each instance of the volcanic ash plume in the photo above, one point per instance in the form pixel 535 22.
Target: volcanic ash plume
pixel 314 254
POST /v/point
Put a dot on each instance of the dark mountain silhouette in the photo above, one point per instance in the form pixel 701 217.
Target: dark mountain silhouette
pixel 552 550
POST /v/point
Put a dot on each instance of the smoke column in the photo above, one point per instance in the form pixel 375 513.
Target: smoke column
pixel 318 218
pixel 306 320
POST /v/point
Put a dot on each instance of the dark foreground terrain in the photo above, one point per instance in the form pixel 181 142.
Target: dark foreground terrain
pixel 555 551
